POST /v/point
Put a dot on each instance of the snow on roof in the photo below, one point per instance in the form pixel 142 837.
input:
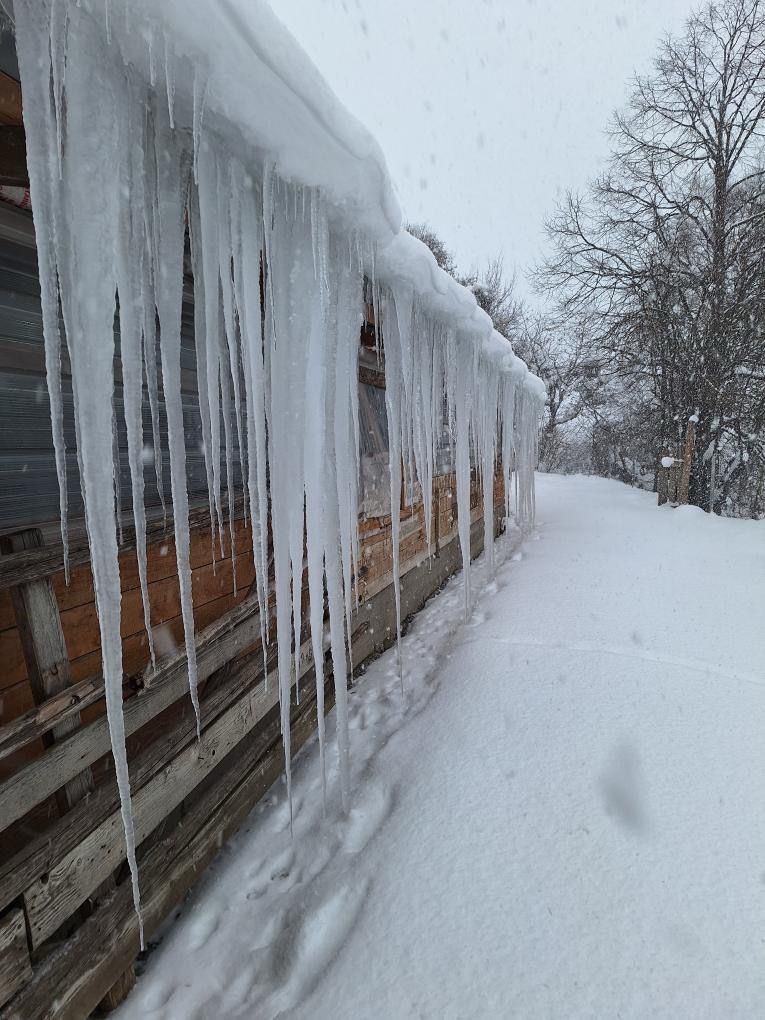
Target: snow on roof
pixel 239 62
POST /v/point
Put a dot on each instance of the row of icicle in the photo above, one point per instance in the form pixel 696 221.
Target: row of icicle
pixel 116 183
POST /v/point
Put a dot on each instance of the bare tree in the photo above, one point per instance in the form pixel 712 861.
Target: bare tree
pixel 496 294
pixel 561 353
pixel 665 251
pixel 425 233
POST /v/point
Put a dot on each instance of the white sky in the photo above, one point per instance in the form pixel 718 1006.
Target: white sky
pixel 486 110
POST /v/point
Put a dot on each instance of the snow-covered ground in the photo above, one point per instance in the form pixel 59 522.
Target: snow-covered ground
pixel 563 816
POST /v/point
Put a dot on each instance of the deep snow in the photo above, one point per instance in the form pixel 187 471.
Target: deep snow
pixel 563 818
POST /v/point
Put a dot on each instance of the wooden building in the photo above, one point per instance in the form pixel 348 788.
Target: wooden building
pixel 68 930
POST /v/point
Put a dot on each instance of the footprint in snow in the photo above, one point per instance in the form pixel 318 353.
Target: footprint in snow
pixel 202 929
pixel 366 817
pixel 312 934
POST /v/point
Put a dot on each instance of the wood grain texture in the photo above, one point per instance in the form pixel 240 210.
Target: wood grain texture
pixel 47 665
pixel 15 966
pixel 216 645
pixel 71 982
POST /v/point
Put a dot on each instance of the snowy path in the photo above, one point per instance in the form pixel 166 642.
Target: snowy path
pixel 566 819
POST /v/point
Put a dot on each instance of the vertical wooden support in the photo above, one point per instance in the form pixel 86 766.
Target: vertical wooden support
pixel 712 482
pixel 662 477
pixel 687 461
pixel 42 641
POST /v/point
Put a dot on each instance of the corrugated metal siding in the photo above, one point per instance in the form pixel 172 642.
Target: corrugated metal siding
pixel 28 484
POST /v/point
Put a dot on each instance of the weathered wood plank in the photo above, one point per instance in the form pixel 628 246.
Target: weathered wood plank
pixel 48 848
pixel 48 903
pixel 70 983
pixel 371 376
pixel 33 564
pixel 77 874
pixel 36 722
pixel 216 645
pixel 15 967
pixel 47 664
pixel 209 583
pixel 88 964
pixel 119 991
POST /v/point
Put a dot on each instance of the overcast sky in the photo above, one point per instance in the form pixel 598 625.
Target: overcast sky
pixel 486 111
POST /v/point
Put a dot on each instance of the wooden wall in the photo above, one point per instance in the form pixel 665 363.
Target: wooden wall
pixel 62 872
pixel 68 932
pixel 213 592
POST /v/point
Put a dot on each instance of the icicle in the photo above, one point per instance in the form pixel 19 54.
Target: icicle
pixel 152 68
pixel 247 274
pixel 465 356
pixel 225 393
pixel 86 265
pixel 59 24
pixel 43 122
pixel 486 432
pixel 152 378
pixel 315 385
pixel 171 171
pixel 393 400
pixel 508 440
pixel 200 350
pixel 199 99
pixel 348 286
pixel 340 325
pixel 226 258
pixel 288 298
pixel 208 243
pixel 130 284
pixel 169 85
pixel 117 479
pixel 150 360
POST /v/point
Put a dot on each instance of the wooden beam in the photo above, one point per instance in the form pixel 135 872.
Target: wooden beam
pixel 39 779
pixel 372 377
pixel 33 564
pixel 42 641
pixel 51 901
pixel 49 847
pixel 38 721
pixel 15 967
pixel 47 851
pixel 69 983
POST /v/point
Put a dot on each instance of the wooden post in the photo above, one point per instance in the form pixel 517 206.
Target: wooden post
pixel 662 476
pixel 712 482
pixel 687 460
pixel 42 641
